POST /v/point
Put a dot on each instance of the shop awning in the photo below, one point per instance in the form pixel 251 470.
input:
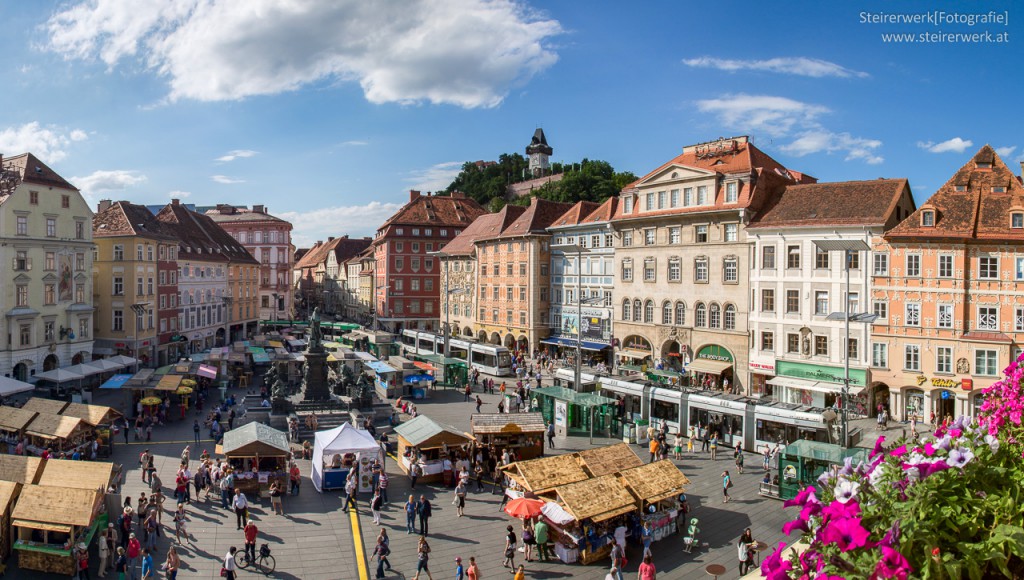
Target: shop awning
pixel 259 355
pixel 116 382
pixel 169 383
pixel 275 343
pixel 207 371
pixel 808 385
pixel 381 368
pixel 630 353
pixel 714 367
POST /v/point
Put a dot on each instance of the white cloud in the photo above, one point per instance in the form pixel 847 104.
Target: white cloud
pixel 785 118
pixel 49 144
pixel 799 65
pixel 236 154
pixel 319 224
pixel 178 194
pixel 1006 151
pixel 435 177
pixel 956 145
pixel 354 143
pixel 224 179
pixel 108 180
pixel 468 53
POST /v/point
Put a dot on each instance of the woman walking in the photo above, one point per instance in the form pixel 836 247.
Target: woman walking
pixel 422 558
pixel 714 446
pixel 510 549
pixel 460 497
pixel 528 539
pixel 737 456
pixel 173 563
pixel 726 484
pixel 381 551
pixel 766 461
pixel 275 498
pixel 375 505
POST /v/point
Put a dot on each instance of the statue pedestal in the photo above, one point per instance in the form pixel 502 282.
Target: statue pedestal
pixel 314 379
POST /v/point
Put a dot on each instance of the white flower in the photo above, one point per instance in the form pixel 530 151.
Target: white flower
pixel 993 443
pixel 945 443
pixel 912 473
pixel 915 459
pixel 876 475
pixel 959 457
pixel 846 490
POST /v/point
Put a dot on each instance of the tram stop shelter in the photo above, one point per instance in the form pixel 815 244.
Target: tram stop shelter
pixel 574 412
pixel 803 461
pixel 454 372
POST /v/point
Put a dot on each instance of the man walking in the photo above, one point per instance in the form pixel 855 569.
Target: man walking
pixel 241 505
pixel 382 485
pixel 195 431
pixel 424 509
pixel 540 535
pixel 551 435
pixel 250 532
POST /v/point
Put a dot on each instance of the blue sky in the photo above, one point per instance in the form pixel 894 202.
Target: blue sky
pixel 329 111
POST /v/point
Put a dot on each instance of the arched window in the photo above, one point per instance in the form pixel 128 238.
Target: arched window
pixel 716 316
pixel 700 314
pixel 680 314
pixel 649 312
pixel 666 313
pixel 637 311
pixel 626 315
pixel 730 317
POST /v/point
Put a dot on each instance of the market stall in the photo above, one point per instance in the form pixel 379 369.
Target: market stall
pixel 100 419
pixel 659 488
pixel 22 469
pixel 10 387
pixel 542 476
pixel 49 521
pixel 520 432
pixel 8 495
pixel 259 457
pixel 337 451
pixel 598 506
pixel 93 475
pixel 40 405
pixel 56 432
pixel 610 459
pixel 423 440
pixel 12 426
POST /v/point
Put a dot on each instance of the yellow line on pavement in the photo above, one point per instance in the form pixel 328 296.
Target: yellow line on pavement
pixel 357 538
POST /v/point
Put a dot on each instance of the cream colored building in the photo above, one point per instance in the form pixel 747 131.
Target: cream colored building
pixel 683 259
pixel 46 293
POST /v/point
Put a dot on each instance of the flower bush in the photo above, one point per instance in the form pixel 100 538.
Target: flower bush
pixel 947 505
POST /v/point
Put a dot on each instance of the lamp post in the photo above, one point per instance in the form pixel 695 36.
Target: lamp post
pixel 848 247
pixel 227 319
pixel 277 306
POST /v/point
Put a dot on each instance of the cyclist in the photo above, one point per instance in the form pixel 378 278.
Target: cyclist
pixel 250 540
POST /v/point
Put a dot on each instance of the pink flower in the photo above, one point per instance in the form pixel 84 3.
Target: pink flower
pixel 899 451
pixel 799 524
pixel 774 566
pixel 838 510
pixel 847 533
pixel 805 495
pixel 892 565
pixel 927 469
pixel 929 449
pixel 878 447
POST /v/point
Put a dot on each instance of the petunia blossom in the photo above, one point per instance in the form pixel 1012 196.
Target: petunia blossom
pixel 774 566
pixel 846 533
pixel 839 510
pixel 846 490
pixel 802 497
pixel 959 457
pixel 899 451
pixel 878 447
pixel 993 443
pixel 892 565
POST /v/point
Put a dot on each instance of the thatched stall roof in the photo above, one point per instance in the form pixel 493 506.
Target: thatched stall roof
pixel 40 405
pixel 546 473
pixel 507 423
pixel 425 433
pixel 50 426
pixel 599 498
pixel 169 383
pixel 55 508
pixel 77 474
pixel 8 490
pixel 92 414
pixel 20 468
pixel 609 459
pixel 653 482
pixel 14 419
pixel 255 439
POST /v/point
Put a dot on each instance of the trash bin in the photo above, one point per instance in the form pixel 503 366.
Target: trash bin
pixel 628 433
pixel 641 432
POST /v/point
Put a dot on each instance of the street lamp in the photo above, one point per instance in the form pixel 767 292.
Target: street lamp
pixel 848 247
pixel 277 305
pixel 578 250
pixel 227 319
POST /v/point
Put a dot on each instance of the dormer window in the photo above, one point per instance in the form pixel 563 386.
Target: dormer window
pixel 961 188
pixel 928 218
pixel 999 189
pixel 1017 220
pixel 984 165
pixel 627 204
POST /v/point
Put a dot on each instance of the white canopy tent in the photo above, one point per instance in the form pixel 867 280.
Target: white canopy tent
pixel 340 441
pixel 9 386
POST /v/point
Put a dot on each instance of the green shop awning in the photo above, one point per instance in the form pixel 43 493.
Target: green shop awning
pixel 573 397
pixel 441 360
pixel 259 355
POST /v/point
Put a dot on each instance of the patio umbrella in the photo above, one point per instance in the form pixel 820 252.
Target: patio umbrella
pixel 150 401
pixel 522 507
pixel 184 391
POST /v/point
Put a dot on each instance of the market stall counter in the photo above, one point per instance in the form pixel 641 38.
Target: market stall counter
pixel 519 432
pixel 422 440
pixel 48 522
pixel 259 457
pixel 659 488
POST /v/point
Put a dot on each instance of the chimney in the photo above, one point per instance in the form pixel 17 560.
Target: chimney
pixel 103 205
pixel 259 209
pixel 318 243
pixel 330 239
pixel 175 201
pixel 413 194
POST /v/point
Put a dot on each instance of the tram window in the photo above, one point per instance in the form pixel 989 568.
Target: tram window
pixel 666 411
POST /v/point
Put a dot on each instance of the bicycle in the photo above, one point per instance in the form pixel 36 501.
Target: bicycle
pixel 264 561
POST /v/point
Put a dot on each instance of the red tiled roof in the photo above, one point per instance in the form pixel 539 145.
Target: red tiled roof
pixel 987 336
pixel 201 238
pixel 867 203
pixel 978 212
pixel 536 219
pixel 124 218
pixel 344 248
pixel 576 214
pixel 486 226
pixel 32 170
pixel 436 210
pixel 604 212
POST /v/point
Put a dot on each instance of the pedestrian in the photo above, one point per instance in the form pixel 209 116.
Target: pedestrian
pixel 460 574
pixel 766 462
pixel 520 573
pixel 703 438
pixel 529 541
pixel 124 430
pixel 422 559
pixel 478 475
pixel 425 510
pixel 726 484
pixel 104 553
pixel 173 563
pixel 743 548
pixel 540 536
pixel 382 485
pixel 714 446
pixel 250 532
pixel 275 498
pixel 148 573
pixel 195 431
pixel 228 568
pixel 149 528
pixel 501 405
pixel 613 574
pixel 510 549
pixel 654 449
pixel 473 572
pixel 410 515
pixel 227 483
pixel 460 498
pixel 618 557
pixel 375 505
pixel 646 538
pixel 350 491
pixel 295 477
pixel 737 456
pixel 381 551
pixel 647 570
pixel 82 561
pixel 121 564
pixel 414 473
pixel 677 446
pixel 551 435
pixel 241 505
pixel 467 393
pixel 134 550
pixel 180 528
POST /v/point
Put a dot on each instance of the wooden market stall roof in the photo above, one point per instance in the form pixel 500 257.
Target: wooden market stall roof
pixel 609 459
pixel 169 383
pixel 40 405
pixel 50 426
pixel 507 423
pixel 77 474
pixel 92 414
pixel 546 473
pixel 255 439
pixel 20 468
pixel 653 482
pixel 425 433
pixel 8 489
pixel 56 508
pixel 15 419
pixel 599 498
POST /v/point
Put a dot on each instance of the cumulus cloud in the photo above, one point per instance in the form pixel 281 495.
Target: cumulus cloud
pixel 236 154
pixel 224 179
pixel 468 53
pixel 103 181
pixel 799 65
pixel 354 220
pixel 435 177
pixel 789 120
pixel 1006 151
pixel 49 144
pixel 955 145
pixel 178 194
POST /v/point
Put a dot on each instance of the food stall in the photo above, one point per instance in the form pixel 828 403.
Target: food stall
pixel 23 469
pixel 8 495
pixel 40 405
pixel 57 432
pixel 47 523
pixel 598 506
pixel 12 427
pixel 422 439
pixel 259 455
pixel 609 459
pixel 337 451
pixel 521 432
pixel 101 419
pixel 659 488
pixel 94 475
pixel 386 380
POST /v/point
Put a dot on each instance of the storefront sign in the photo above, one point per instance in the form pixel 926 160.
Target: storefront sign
pixel 967 384
pixel 762 367
pixel 858 377
pixel 637 343
pixel 715 352
pixel 939 382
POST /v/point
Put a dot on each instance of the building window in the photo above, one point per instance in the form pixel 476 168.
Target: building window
pixel 913 312
pixel 649 237
pixel 944 359
pixel 51 227
pixel 731 192
pixel 715 316
pixel 1018 320
pixel 1017 220
pixel 988 318
pixel 768 341
pixel 494 292
pixel 674 235
pixel 51 262
pixel 988 268
pixel 118 252
pixel 820 345
pixel 914 265
pixel 927 219
pixel 731 232
pixel 911 357
pixel 730 270
pixel 793 343
pixel 649 268
pixel 543 269
pixel 852 351
pixel 700 270
pixel 793 257
pixel 680 313
pixel 33 197
pixel 945 316
pixel 25 335
pixel 945 266
pixel 821 303
pixel 80 293
pixel 700 315
pixel 627 205
pixel 661 200
pixel 985 362
pixel 767 300
pixel 637 311
pixel 117 324
pixel 675 270
pixel 626 314
pixel 627 270
pixel 21 261
pixel 701 234
pixel 627 238
pixel 768 258
pixel 649 312
pixel 50 294
pixel 880 355
pixel 880 308
pixel 820 259
pixel 399 264
pixel 792 301
pixel 687 196
pixel 881 264
pixel 730 317
pixel 666 313
pixel 702 195
pixel 674 198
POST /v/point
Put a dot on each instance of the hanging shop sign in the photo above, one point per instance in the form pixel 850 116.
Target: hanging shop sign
pixel 824 373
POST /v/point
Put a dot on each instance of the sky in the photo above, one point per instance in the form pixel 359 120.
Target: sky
pixel 330 111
